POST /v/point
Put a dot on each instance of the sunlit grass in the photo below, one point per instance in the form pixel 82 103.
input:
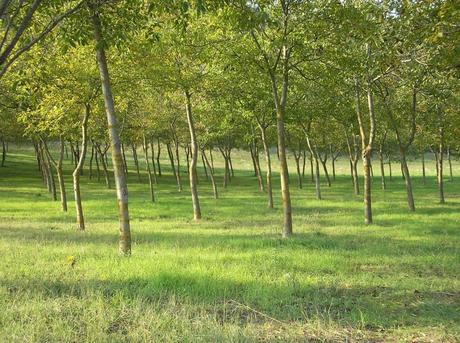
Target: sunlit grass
pixel 230 277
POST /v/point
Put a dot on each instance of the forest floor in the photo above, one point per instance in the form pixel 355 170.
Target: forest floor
pixel 229 277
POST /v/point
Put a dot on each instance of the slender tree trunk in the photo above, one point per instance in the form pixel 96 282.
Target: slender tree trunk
pixel 91 162
pixel 299 174
pixel 205 169
pixel 98 171
pixel 382 168
pixel 149 172
pixel 52 181
pixel 120 178
pixel 136 161
pixel 451 177
pixel 355 177
pixel 440 168
pixel 326 173
pixel 173 167
pixel 194 151
pixel 333 158
pixel 258 170
pixel 268 162
pixel 158 157
pixel 179 178
pixel 187 157
pixel 211 172
pixel 407 179
pixel 76 173
pixel 155 179
pixel 317 180
pixel 251 150
pixel 58 166
pixel 37 156
pixel 304 161
pixel 171 160
pixel 212 160
pixel 125 164
pixel 3 152
pixel 104 166
pixel 231 164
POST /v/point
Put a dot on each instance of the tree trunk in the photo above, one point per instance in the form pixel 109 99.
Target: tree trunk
pixel 58 166
pixel 136 161
pixel 407 179
pixel 104 166
pixel 149 172
pixel 187 157
pixel 3 152
pixel 179 178
pixel 52 181
pixel 158 157
pixel 299 174
pixel 260 179
pixel 440 168
pixel 382 168
pixel 211 172
pixel 304 161
pixel 125 164
pixel 91 162
pixel 98 171
pixel 76 173
pixel 153 163
pixel 173 167
pixel 120 179
pixel 451 177
pixel 263 131
pixel 231 164
pixel 193 164
pixel 212 160
pixel 205 169
pixel 253 159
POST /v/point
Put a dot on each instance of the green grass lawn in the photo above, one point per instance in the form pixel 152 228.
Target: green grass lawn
pixel 230 277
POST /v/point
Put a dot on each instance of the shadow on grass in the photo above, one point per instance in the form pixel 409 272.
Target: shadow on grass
pixel 372 308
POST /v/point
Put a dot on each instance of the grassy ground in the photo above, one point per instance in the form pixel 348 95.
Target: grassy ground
pixel 230 277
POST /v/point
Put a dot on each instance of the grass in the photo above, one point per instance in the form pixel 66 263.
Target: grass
pixel 230 277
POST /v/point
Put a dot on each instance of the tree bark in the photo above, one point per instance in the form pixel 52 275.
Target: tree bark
pixel 77 171
pixel 193 164
pixel 3 152
pixel 58 166
pixel 125 164
pixel 120 179
pixel 297 163
pixel 149 171
pixel 263 131
pixel 408 180
pixel 155 179
pixel 451 176
pixel 136 161
pixel 382 167
pixel 91 162
pixel 211 172
pixel 158 157
pixel 104 165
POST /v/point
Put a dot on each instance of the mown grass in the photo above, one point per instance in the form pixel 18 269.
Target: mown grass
pixel 229 277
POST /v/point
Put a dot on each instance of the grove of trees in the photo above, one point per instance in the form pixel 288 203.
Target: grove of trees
pixel 375 82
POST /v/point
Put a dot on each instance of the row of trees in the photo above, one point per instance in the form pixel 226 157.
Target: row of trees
pixel 313 78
